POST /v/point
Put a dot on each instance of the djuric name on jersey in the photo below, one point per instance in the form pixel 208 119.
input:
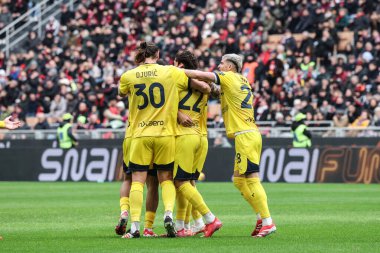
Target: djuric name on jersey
pixel 149 73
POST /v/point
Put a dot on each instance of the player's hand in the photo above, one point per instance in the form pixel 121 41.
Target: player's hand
pixel 9 124
pixel 184 120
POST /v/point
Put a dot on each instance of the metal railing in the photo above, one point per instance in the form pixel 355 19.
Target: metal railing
pixel 33 20
pixel 289 123
pixel 270 132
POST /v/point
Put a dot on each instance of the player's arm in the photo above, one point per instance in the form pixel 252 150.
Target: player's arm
pixel 184 119
pixel 123 88
pixel 8 124
pixel 215 90
pixel 201 75
pixel 200 86
pixel 120 93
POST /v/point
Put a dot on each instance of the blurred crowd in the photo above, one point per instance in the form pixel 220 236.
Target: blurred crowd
pixel 76 65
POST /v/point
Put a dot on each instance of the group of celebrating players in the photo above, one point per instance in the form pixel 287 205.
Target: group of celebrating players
pixel 166 143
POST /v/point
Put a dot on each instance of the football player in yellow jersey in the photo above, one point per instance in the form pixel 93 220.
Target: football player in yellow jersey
pixel 151 197
pixel 238 115
pixel 153 107
pixel 188 147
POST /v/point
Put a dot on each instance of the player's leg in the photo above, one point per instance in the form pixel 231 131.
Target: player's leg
pixel 183 185
pixel 264 225
pixel 151 203
pixel 164 150
pixel 240 183
pixel 124 204
pixel 124 192
pixel 189 208
pixel 181 206
pixel 239 180
pixel 189 192
pixel 253 181
pixel 199 225
pixel 248 147
pixel 183 169
pixel 199 162
pixel 124 189
pixel 184 154
pixel 140 156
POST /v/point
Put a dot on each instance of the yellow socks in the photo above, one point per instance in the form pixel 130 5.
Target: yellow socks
pixel 259 196
pixel 168 195
pixel 124 204
pixel 196 215
pixel 188 213
pixel 149 219
pixel 182 204
pixel 241 184
pixel 136 200
pixel 194 197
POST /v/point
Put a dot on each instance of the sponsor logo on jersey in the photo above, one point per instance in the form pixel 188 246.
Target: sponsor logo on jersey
pixel 151 123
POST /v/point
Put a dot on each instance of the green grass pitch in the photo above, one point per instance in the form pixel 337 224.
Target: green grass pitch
pixel 80 217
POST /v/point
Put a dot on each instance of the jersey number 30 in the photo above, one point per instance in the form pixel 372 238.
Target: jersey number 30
pixel 150 99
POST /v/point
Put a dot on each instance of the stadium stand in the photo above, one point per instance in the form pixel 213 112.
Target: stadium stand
pixel 318 57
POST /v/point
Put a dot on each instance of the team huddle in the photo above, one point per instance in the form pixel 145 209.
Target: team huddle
pixel 166 143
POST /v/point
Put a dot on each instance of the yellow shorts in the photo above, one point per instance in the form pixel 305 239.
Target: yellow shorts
pixel 156 150
pixel 248 151
pixel 126 149
pixel 200 157
pixel 186 149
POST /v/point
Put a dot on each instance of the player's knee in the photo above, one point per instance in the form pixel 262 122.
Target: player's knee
pixel 164 176
pixel 178 183
pixel 238 183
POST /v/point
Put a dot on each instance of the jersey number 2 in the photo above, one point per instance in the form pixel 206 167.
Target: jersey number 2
pixel 146 99
pixel 195 107
pixel 245 104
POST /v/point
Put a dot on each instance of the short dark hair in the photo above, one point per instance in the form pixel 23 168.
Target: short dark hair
pixel 145 50
pixel 187 58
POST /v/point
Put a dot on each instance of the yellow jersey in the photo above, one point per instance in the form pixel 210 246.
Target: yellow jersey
pixel 194 104
pixel 128 131
pixel 204 120
pixel 236 101
pixel 153 104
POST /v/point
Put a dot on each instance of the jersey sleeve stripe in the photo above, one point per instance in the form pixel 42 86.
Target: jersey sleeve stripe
pixel 189 83
pixel 217 79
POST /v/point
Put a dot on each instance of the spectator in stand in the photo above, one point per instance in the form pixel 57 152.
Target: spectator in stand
pixel 115 114
pixel 92 45
pixel 340 119
pixel 280 120
pixel 58 107
pixel 32 105
pixel 94 122
pixel 362 121
pixel 376 117
pixel 42 122
pixel 5 16
pixel 66 15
